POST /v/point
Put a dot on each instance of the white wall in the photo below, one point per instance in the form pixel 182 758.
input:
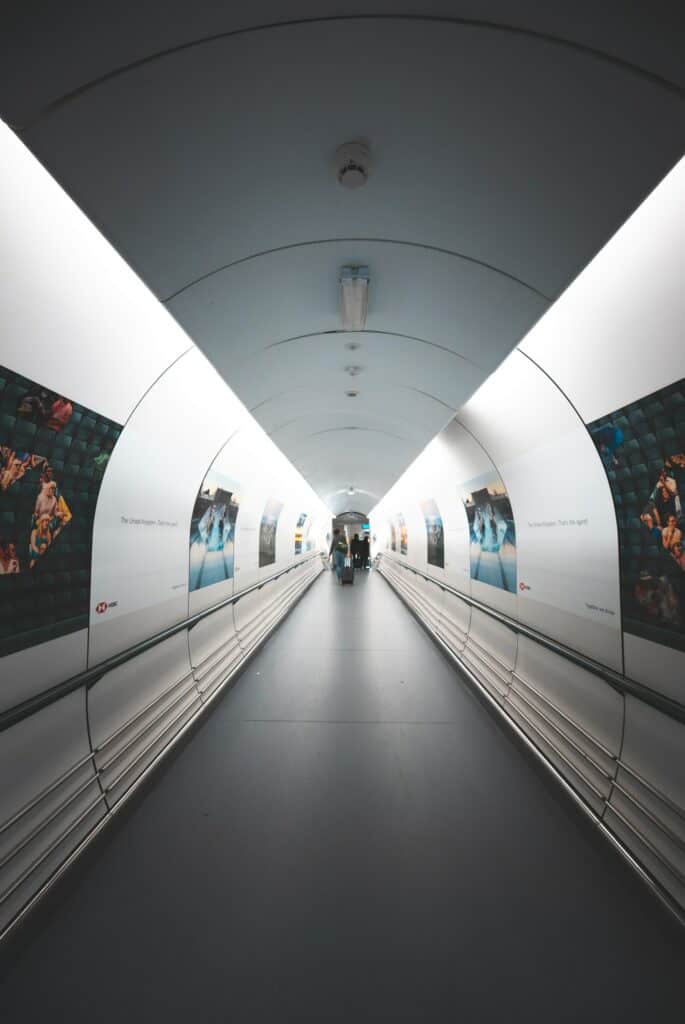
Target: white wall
pixel 78 321
pixel 614 337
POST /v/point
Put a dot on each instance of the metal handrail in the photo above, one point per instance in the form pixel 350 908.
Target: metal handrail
pixel 562 714
pixel 597 818
pixel 623 684
pixel 654 790
pixel 92 675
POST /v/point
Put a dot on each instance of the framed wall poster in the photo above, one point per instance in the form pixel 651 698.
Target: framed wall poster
pixel 492 532
pixel 299 534
pixel 212 531
pixel 53 455
pixel 403 533
pixel 435 533
pixel 267 532
pixel 642 447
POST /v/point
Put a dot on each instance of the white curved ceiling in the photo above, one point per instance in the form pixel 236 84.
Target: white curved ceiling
pixel 503 157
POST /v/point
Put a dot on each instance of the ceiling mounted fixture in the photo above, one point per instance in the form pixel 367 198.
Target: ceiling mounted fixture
pixel 352 345
pixel 351 394
pixel 353 370
pixel 352 161
pixel 354 296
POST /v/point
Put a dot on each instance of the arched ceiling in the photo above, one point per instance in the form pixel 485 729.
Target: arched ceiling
pixel 505 151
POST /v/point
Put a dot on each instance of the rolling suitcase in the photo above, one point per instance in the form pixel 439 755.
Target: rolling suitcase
pixel 348 571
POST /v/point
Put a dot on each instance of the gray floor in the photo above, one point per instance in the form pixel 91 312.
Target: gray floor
pixel 350 836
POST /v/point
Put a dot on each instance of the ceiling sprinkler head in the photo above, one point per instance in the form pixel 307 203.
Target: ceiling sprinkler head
pixel 351 394
pixel 353 371
pixel 350 489
pixel 353 345
pixel 352 161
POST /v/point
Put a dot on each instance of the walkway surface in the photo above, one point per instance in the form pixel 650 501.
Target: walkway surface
pixel 350 836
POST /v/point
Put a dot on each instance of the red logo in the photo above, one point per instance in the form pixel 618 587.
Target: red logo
pixel 101 607
pixel 523 586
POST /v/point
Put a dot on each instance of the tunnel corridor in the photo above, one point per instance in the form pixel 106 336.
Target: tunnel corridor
pixel 284 285
pixel 351 835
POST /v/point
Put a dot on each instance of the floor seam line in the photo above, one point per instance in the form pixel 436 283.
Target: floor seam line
pixel 347 721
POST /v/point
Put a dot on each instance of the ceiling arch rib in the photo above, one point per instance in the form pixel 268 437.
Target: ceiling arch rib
pixel 297 410
pixel 232 160
pixel 427 394
pixel 361 334
pixel 427 291
pixel 303 435
pixel 588 36
pixel 366 430
pixel 415 291
pixel 354 241
pixel 503 162
pixel 340 501
pixel 382 363
pixel 331 460
pixel 328 350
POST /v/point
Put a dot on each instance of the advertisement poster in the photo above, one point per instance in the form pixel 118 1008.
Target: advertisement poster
pixel 403 533
pixel 642 446
pixel 393 537
pixel 435 533
pixel 212 531
pixel 299 535
pixel 53 454
pixel 492 534
pixel 267 532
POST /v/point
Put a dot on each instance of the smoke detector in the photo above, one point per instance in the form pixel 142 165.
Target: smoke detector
pixel 352 161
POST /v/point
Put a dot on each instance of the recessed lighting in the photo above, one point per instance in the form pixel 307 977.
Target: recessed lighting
pixel 354 297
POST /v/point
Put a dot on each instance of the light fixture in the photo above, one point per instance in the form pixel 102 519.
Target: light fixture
pixel 354 295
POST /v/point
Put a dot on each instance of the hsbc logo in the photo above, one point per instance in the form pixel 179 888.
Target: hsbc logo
pixel 102 606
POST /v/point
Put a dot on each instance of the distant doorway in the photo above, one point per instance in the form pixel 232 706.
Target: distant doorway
pixel 355 526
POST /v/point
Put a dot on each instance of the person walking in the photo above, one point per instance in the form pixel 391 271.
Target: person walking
pixel 338 551
pixel 365 551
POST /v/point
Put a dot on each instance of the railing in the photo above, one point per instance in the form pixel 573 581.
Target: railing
pixel 615 679
pixel 664 838
pixel 91 676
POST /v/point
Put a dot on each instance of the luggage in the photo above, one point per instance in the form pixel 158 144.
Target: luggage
pixel 348 571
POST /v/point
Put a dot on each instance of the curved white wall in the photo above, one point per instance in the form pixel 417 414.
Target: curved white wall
pixel 158 428
pixel 560 451
pixel 103 397
pixel 78 322
pixel 614 339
